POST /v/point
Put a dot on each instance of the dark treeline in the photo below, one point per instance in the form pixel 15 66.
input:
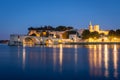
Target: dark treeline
pixel 4 41
pixel 112 34
pixel 51 28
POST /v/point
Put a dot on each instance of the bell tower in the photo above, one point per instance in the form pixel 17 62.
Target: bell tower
pixel 90 27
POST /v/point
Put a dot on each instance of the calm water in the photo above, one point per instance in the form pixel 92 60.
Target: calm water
pixel 60 62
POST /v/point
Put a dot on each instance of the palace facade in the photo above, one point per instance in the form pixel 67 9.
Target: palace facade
pixel 97 28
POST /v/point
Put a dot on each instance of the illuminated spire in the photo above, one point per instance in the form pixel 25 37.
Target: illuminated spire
pixel 90 23
pixel 90 27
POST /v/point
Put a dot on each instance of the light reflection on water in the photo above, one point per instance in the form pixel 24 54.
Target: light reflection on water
pixel 95 59
pixel 61 56
pixel 24 57
pixel 75 54
pixel 115 60
pixel 76 60
pixel 54 57
pixel 100 58
pixel 106 59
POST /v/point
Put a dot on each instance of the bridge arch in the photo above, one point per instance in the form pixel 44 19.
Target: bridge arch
pixel 30 40
pixel 49 41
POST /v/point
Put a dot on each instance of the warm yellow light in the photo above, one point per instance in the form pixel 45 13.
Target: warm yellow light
pixel 61 56
pixel 44 33
pixel 106 59
pixel 59 41
pixel 115 60
pixel 115 38
pixel 91 40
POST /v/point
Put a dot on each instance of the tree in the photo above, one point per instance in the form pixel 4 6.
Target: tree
pixel 69 28
pixel 102 34
pixel 94 34
pixel 61 28
pixel 118 33
pixel 85 34
pixel 31 28
pixel 33 34
pixel 66 34
pixel 111 34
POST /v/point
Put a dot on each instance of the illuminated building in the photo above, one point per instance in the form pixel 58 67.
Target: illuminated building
pixel 97 28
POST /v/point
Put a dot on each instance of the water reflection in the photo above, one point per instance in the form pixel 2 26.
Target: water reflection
pixel 18 51
pixel 100 56
pixel 106 59
pixel 54 57
pixel 24 57
pixel 61 56
pixel 100 59
pixel 115 60
pixel 43 54
pixel 95 59
pixel 75 54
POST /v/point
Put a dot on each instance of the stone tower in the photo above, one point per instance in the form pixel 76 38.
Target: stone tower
pixel 90 27
pixel 96 28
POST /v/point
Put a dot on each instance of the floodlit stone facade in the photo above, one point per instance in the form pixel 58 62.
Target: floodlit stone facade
pixel 97 28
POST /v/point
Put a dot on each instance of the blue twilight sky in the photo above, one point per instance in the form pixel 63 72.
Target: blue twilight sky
pixel 17 15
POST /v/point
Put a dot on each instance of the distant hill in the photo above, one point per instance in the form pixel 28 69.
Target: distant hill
pixel 4 41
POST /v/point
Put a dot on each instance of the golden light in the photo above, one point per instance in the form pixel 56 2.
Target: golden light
pixel 91 58
pixel 95 56
pixel 91 40
pixel 115 38
pixel 106 59
pixel 44 33
pixel 60 41
pixel 61 56
pixel 100 56
pixel 115 60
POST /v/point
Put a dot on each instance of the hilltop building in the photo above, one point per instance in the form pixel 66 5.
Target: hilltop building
pixel 97 28
pixel 37 36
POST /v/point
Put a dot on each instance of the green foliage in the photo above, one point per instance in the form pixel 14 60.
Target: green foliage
pixel 66 34
pixel 102 34
pixel 51 28
pixel 33 34
pixel 118 33
pixel 112 33
pixel 61 28
pixel 85 34
pixel 94 34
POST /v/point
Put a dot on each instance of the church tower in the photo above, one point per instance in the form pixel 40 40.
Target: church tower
pixel 90 27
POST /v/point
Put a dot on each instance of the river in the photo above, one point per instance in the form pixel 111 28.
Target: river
pixel 60 62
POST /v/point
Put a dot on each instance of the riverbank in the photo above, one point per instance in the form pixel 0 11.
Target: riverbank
pixel 70 43
pixel 4 41
pixel 87 43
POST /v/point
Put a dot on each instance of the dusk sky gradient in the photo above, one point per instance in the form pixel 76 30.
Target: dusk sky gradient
pixel 17 15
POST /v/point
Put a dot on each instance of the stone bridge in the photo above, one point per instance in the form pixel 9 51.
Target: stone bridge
pixel 32 40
